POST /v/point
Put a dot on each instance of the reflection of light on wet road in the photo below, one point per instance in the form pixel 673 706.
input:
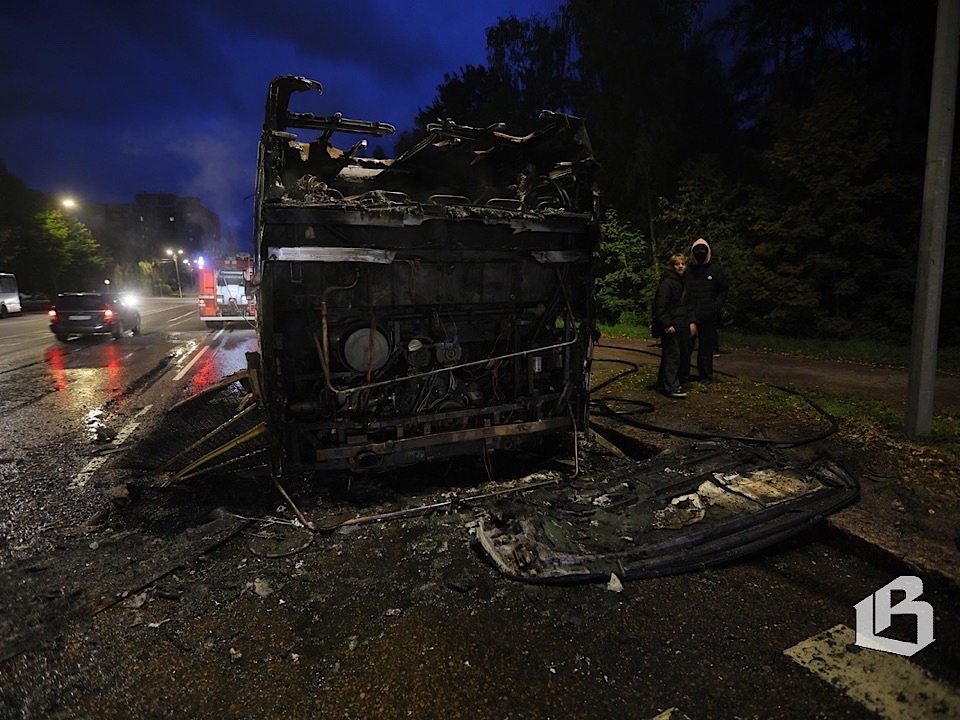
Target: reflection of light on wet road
pixel 84 476
pixel 112 382
pixel 186 368
pixel 222 360
pixel 94 421
pixel 56 360
pixel 83 376
pixel 183 351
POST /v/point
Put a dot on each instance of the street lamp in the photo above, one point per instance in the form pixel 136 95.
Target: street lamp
pixel 176 266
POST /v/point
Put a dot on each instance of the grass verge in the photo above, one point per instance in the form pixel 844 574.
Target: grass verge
pixel 853 350
pixel 870 438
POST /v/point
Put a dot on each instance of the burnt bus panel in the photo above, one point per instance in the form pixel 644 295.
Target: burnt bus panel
pixel 434 305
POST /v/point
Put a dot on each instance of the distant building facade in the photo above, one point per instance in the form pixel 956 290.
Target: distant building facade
pixel 153 224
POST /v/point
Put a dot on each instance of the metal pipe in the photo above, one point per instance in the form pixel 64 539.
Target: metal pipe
pixel 325 350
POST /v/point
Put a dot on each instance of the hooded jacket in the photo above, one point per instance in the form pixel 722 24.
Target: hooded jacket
pixel 670 302
pixel 707 285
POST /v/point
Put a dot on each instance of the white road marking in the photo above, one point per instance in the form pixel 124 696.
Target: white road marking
pixel 183 318
pixel 671 714
pixel 96 463
pixel 186 368
pixel 889 685
pixel 84 475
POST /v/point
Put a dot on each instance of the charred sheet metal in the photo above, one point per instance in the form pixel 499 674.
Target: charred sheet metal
pixel 439 303
pixel 673 513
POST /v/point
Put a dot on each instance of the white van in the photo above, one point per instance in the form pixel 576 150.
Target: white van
pixel 9 295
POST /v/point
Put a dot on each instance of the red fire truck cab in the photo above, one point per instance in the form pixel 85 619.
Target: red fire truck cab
pixel 226 292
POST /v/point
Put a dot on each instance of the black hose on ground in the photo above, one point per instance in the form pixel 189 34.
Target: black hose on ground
pixel 646 407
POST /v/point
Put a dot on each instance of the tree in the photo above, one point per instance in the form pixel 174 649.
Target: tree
pixel 628 276
pixel 710 204
pixel 46 249
pixel 533 58
pixel 834 106
pixel 59 253
pixel 18 206
pixel 473 96
pixel 652 90
pixel 785 47
pixel 528 70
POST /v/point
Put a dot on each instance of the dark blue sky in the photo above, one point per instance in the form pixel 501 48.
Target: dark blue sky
pixel 105 99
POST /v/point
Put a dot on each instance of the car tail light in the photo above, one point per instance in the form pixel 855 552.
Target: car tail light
pixel 108 314
pixel 52 314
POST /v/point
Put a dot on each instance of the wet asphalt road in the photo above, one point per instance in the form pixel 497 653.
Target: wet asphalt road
pixel 388 620
pixel 59 402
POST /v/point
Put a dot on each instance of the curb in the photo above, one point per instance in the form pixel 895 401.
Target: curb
pixel 833 532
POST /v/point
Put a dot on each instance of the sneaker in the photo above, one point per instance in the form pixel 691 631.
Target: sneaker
pixel 678 393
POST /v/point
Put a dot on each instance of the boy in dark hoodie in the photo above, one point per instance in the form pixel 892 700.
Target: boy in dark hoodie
pixel 670 313
pixel 707 289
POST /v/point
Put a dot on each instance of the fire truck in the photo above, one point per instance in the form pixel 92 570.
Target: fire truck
pixel 225 290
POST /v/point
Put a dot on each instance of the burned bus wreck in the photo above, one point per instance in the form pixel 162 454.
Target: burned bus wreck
pixel 438 305
pixel 433 305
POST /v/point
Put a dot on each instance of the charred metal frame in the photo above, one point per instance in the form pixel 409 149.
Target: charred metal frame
pixel 436 304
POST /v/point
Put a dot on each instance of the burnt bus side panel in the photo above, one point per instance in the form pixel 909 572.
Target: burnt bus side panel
pixel 433 305
pixel 365 356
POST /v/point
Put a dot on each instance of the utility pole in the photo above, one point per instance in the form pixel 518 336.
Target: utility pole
pixel 175 254
pixel 933 223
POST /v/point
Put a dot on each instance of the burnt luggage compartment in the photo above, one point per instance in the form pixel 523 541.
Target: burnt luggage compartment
pixel 433 305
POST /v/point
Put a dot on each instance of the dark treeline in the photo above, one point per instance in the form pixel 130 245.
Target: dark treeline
pixel 799 154
pixel 47 249
pixel 51 251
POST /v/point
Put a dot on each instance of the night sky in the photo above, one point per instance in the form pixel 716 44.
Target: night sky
pixel 102 100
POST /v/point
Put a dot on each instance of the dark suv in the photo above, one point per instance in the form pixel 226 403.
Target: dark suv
pixel 93 314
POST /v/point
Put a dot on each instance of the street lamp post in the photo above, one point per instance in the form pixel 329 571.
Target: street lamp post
pixel 176 267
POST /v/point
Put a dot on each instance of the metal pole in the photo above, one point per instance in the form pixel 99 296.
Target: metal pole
pixel 933 223
pixel 176 266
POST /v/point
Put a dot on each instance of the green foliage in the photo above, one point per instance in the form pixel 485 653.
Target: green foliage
pixel 18 205
pixel 708 204
pixel 58 253
pixel 49 251
pixel 83 261
pixel 628 276
pixel 808 187
pixel 132 277
pixel 830 255
pixel 148 276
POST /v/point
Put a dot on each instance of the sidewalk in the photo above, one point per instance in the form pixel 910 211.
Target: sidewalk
pixel 911 537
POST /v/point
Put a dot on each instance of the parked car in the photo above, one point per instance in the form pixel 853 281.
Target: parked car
pixel 9 296
pixel 35 302
pixel 93 313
